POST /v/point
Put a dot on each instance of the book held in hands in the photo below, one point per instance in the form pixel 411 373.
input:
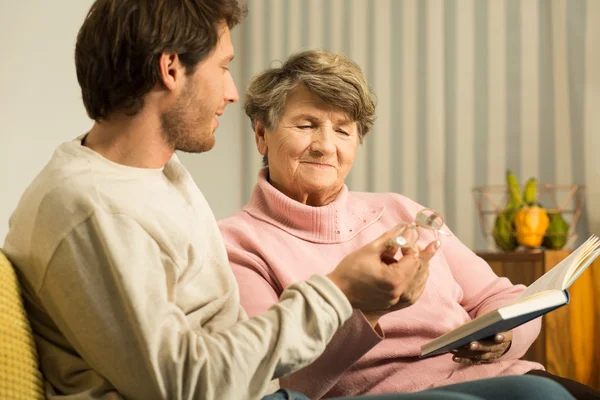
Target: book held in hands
pixel 546 294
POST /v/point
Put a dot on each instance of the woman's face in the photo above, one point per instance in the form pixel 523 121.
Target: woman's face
pixel 312 149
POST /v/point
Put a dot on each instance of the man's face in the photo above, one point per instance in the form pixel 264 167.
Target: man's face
pixel 189 125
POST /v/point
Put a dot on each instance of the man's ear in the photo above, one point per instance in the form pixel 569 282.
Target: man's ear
pixel 171 70
pixel 259 135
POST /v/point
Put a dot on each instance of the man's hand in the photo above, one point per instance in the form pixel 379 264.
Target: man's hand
pixel 415 287
pixel 484 351
pixel 375 282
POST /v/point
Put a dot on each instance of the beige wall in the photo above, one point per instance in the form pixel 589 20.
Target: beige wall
pixel 40 104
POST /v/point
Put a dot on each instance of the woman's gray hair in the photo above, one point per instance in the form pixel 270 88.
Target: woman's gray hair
pixel 334 78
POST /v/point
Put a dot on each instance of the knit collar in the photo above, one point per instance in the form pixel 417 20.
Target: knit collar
pixel 336 222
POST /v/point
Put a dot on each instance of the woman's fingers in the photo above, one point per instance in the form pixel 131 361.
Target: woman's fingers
pixel 480 351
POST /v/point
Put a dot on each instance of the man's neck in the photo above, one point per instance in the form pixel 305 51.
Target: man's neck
pixel 133 141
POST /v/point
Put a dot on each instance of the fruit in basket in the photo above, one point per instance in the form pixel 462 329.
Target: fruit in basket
pixel 556 234
pixel 531 220
pixel 504 223
pixel 531 223
pixel 515 200
pixel 503 232
pixel 530 192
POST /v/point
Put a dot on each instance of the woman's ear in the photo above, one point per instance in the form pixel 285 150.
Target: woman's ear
pixel 260 136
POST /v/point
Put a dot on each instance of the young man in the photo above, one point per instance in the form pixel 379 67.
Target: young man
pixel 124 273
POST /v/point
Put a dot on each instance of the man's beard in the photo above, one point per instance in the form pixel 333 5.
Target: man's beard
pixel 180 133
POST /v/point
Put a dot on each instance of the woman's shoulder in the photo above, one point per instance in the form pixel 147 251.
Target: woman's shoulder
pixel 238 224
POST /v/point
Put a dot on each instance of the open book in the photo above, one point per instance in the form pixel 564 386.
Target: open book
pixel 547 293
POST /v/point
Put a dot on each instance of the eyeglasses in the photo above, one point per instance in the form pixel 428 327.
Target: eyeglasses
pixel 409 232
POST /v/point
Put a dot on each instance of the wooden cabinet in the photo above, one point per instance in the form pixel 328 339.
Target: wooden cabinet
pixel 569 342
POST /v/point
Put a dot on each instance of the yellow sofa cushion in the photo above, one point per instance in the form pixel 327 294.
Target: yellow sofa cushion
pixel 20 377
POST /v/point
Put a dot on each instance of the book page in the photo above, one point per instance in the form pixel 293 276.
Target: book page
pixel 582 267
pixel 563 274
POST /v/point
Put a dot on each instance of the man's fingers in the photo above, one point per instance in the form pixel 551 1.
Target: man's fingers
pixel 413 250
pixel 425 253
pixel 385 243
pixel 430 250
pixel 407 266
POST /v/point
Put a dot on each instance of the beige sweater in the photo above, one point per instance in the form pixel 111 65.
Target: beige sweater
pixel 130 293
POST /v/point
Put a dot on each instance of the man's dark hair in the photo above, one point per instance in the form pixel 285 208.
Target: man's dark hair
pixel 120 43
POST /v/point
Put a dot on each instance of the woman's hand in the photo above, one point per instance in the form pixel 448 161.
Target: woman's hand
pixel 484 351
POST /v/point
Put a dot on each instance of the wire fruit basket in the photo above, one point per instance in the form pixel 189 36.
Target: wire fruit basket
pixel 554 198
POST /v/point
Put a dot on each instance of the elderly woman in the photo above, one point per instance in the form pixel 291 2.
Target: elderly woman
pixel 309 117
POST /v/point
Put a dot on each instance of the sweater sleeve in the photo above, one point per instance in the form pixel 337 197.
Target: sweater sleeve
pixel 109 289
pixel 258 292
pixel 484 291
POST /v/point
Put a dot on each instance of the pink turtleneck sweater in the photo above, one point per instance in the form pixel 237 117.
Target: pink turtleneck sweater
pixel 276 241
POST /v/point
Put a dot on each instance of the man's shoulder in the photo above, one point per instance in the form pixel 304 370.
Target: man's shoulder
pixel 66 192
pixel 56 201
pixel 56 177
pixel 66 182
pixel 78 181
